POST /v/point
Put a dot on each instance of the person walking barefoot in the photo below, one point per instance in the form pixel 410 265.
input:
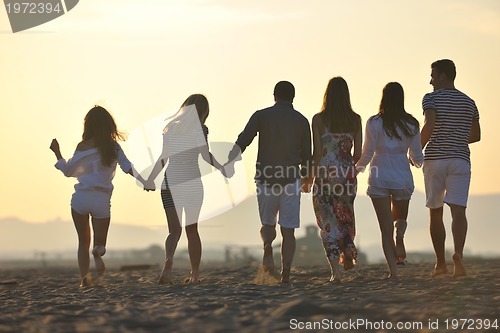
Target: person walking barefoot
pixel 93 164
pixel 451 124
pixel 184 139
pixel 336 131
pixel 389 137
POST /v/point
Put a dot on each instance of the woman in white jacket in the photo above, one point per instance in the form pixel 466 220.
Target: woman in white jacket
pixel 93 164
pixel 390 136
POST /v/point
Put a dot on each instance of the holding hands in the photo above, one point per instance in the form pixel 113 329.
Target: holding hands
pixel 149 185
pixel 227 169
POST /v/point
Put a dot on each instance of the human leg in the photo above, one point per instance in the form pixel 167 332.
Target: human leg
pixel 82 227
pixel 289 219
pixel 384 215
pixel 174 234
pixel 194 242
pixel 399 216
pixel 457 194
pixel 268 203
pixel 268 235
pixel 459 230
pixel 329 230
pixel 438 236
pixel 287 252
pixel 435 173
pixel 343 205
pixel 100 227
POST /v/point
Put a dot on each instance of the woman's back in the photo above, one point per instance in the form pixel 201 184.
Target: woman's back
pixel 386 144
pixel 388 156
pixel 336 149
pixel 86 165
pixel 183 149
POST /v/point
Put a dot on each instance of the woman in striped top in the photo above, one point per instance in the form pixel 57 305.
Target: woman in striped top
pixel 184 139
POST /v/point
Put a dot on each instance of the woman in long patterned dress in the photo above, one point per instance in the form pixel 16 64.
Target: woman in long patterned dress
pixel 336 130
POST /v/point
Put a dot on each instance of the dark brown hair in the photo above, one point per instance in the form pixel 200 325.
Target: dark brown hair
pixel 445 66
pixel 336 112
pixel 100 126
pixel 393 114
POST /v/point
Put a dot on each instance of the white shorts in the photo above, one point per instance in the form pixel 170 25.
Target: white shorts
pixel 282 200
pixel 396 194
pixel 95 203
pixel 446 181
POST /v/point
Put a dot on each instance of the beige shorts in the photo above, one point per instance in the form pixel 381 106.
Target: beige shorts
pixel 282 201
pixel 446 181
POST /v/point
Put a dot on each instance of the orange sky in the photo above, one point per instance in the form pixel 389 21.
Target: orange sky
pixel 141 59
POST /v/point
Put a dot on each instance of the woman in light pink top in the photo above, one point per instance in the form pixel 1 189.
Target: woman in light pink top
pixel 389 137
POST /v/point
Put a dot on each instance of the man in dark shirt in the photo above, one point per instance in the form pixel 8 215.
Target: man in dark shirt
pixel 284 144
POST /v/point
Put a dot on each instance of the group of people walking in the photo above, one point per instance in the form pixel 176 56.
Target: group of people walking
pixel 286 166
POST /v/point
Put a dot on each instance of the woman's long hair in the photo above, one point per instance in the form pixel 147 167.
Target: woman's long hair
pixel 393 114
pixel 337 113
pixel 183 119
pixel 100 126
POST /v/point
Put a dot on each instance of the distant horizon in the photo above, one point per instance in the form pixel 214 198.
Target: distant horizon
pixel 141 60
pixel 248 197
pixel 128 237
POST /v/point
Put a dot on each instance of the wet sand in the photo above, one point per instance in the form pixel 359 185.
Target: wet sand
pixel 245 300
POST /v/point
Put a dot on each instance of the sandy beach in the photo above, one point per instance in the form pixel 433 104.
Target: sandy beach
pixel 243 300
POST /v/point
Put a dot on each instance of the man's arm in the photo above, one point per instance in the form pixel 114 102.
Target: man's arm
pixel 305 152
pixel 475 131
pixel 428 128
pixel 245 138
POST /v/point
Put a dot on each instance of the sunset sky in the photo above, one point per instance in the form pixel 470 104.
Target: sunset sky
pixel 141 59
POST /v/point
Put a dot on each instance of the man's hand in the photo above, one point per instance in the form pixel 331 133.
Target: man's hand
pixel 228 169
pixel 149 185
pixel 306 184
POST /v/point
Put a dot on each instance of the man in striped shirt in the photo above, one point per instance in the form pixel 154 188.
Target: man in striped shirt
pixel 451 123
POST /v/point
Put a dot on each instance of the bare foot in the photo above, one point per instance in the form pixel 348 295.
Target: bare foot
pixel 400 250
pixel 268 260
pixel 98 251
pixel 393 276
pixel 194 278
pixel 166 273
pixel 285 276
pixel 439 270
pixel 348 264
pixel 334 278
pixel 459 269
pixel 348 260
pixel 86 281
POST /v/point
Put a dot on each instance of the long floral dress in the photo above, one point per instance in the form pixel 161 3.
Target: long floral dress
pixel 333 195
